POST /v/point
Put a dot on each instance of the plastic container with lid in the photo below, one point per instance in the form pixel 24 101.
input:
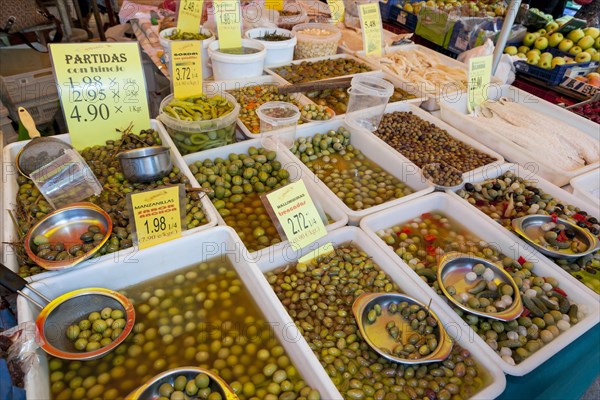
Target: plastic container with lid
pixel 278 52
pixel 165 42
pixel 193 136
pixel 278 121
pixel 367 92
pixel 228 66
pixel 316 40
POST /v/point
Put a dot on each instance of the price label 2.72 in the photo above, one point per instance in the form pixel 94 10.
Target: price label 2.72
pixel 102 88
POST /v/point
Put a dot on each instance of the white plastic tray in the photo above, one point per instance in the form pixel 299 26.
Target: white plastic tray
pixel 378 152
pixel 547 187
pixel 467 176
pixel 170 257
pixel 461 213
pixel 323 198
pixel 497 380
pixel 587 186
pixel 10 190
pixel 454 112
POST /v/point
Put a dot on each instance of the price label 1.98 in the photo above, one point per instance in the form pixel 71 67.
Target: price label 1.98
pixel 189 14
pixel 297 214
pixel 480 73
pixel 156 215
pixel 227 15
pixel 102 88
pixel 370 18
pixel 337 10
pixel 186 61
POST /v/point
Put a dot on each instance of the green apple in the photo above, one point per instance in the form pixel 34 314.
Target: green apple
pixel 523 49
pixel 575 50
pixel 551 26
pixel 546 64
pixel 529 39
pixel 575 35
pixel 541 43
pixel 555 39
pixel 586 42
pixel 593 32
pixel 533 53
pixel 591 50
pixel 596 57
pixel 511 50
pixel 565 45
pixel 571 61
pixel 597 44
pixel 546 55
pixel 537 34
pixel 533 60
pixel 558 61
pixel 522 56
pixel 542 31
pixel 583 57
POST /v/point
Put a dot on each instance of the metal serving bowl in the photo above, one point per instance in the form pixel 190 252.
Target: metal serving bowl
pixel 145 164
pixel 66 225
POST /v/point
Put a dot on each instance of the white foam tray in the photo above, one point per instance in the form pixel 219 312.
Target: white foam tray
pixel 587 186
pixel 467 176
pixel 324 199
pixel 454 111
pixel 378 152
pixel 556 192
pixel 10 190
pixel 461 213
pixel 348 234
pixel 167 258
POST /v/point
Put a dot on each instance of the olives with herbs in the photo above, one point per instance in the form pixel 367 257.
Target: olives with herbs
pixel 308 71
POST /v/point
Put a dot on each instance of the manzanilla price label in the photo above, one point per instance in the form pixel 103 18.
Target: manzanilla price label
pixel 189 15
pixel 370 21
pixel 297 214
pixel 480 73
pixel 337 10
pixel 186 62
pixel 102 89
pixel 156 215
pixel 227 15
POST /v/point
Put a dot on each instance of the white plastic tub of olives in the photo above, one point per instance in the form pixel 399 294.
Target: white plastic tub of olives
pixel 220 314
pixel 466 230
pixel 62 319
pixel 360 266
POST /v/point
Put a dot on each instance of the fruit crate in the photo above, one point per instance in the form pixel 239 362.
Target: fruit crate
pixel 386 7
pixel 552 77
pixel 42 110
pixel 401 16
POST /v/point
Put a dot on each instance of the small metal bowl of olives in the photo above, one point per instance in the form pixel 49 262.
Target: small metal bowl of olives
pixel 68 236
pixel 184 383
pixel 145 164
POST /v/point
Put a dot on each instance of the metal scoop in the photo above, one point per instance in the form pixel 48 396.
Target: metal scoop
pixel 452 271
pixel 376 334
pixel 149 390
pixel 40 150
pixel 68 309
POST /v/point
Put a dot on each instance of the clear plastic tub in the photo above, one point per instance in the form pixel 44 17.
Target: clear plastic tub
pixel 311 45
pixel 193 136
pixel 367 92
pixel 165 42
pixel 234 66
pixel 277 52
pixel 278 121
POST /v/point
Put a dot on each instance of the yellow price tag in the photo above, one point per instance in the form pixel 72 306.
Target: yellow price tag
pixel 337 10
pixel 227 15
pixel 189 15
pixel 321 251
pixel 274 4
pixel 102 88
pixel 156 216
pixel 297 214
pixel 480 74
pixel 370 21
pixel 186 74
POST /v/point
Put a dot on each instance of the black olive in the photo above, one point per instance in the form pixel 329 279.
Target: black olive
pixel 533 189
pixel 497 186
pixel 592 220
pixel 582 213
pixel 469 187
pixel 569 234
pixel 594 231
pixel 591 271
pixel 581 224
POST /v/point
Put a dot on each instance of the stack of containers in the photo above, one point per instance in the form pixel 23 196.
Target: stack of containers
pixel 8 132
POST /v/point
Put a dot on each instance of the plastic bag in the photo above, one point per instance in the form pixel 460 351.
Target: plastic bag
pixel 506 69
pixel 21 354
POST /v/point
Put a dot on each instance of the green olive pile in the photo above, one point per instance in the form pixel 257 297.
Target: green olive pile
pixel 423 240
pixel 442 174
pixel 99 329
pixel 422 142
pixel 308 71
pixel 313 112
pixel 201 315
pixel 508 197
pixel 31 205
pixel 319 297
pixel 59 251
pixel 251 97
pixel 356 180
pixel 337 99
pixel 237 184
pixel 183 388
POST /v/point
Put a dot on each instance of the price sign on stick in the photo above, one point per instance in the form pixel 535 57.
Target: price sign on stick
pixel 186 59
pixel 370 21
pixel 102 88
pixel 336 9
pixel 189 15
pixel 480 72
pixel 156 215
pixel 297 214
pixel 227 15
